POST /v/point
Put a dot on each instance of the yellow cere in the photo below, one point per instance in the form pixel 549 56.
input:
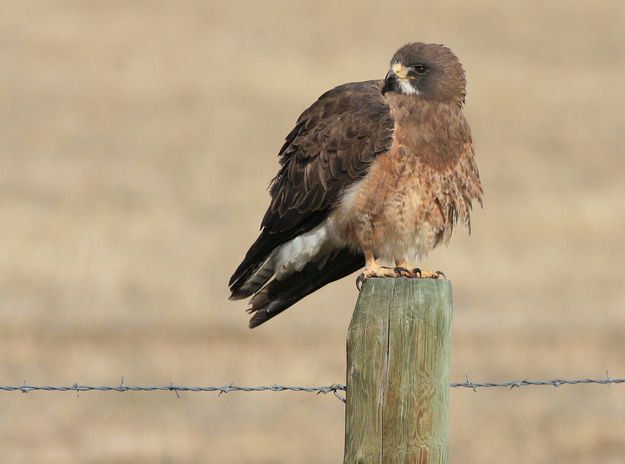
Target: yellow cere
pixel 401 72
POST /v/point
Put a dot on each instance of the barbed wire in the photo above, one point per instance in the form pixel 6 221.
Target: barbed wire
pixel 177 389
pixel 524 383
pixel 334 389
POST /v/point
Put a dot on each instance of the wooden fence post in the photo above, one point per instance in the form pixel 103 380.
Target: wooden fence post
pixel 398 348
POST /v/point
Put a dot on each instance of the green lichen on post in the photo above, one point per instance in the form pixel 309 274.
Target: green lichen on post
pixel 398 350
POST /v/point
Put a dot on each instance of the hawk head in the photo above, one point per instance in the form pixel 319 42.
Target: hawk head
pixel 429 71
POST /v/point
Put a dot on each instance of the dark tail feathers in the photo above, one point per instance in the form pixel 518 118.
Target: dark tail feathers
pixel 278 295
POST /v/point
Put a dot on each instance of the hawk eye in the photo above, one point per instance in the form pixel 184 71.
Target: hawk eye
pixel 419 68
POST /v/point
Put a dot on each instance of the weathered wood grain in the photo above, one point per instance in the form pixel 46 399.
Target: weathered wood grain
pixel 398 348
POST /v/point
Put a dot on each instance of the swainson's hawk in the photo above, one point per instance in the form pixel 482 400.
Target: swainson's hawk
pixel 372 170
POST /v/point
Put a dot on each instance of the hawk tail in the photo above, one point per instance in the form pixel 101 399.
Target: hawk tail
pixel 251 279
pixel 279 295
pixel 257 266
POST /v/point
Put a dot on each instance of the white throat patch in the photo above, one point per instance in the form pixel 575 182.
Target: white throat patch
pixel 406 88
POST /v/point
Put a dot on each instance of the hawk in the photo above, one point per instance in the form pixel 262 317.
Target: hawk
pixel 374 170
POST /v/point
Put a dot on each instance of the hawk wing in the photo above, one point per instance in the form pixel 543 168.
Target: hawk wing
pixel 332 145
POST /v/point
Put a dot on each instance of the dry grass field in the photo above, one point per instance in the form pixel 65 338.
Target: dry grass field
pixel 137 141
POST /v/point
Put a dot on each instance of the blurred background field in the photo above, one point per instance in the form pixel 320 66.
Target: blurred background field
pixel 138 139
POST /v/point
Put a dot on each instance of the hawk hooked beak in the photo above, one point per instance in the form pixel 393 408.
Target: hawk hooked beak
pixel 389 81
pixel 396 73
pixel 398 80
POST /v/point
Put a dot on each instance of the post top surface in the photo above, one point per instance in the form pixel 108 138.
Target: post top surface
pixel 405 282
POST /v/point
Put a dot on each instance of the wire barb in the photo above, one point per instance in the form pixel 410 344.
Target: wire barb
pixel 469 384
pixel 173 388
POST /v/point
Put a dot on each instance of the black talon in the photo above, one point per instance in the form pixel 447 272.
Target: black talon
pixel 360 280
pixel 402 272
pixel 417 271
pixel 440 274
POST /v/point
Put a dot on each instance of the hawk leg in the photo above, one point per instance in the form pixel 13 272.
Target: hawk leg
pixel 373 269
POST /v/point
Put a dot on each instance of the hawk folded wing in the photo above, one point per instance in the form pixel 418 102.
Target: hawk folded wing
pixel 332 145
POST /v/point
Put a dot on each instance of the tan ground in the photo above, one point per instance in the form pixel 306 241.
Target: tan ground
pixel 137 142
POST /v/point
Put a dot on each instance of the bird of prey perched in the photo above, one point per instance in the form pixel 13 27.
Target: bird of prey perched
pixel 374 170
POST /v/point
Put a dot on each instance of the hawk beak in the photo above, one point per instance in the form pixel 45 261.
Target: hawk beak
pixel 389 81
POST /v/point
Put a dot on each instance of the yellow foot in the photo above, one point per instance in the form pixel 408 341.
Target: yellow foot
pixel 380 271
pixel 419 274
